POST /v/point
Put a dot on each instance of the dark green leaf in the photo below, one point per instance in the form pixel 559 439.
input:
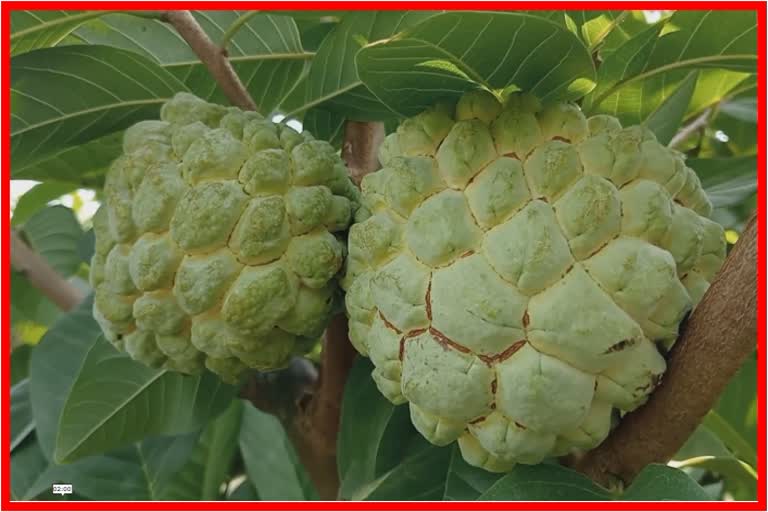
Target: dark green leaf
pixel 54 366
pixel 271 463
pixel 115 400
pixel 325 124
pixel 43 28
pixel 727 181
pixel 435 60
pixel 420 476
pixel 266 52
pixel 67 96
pixel 544 482
pixel 657 482
pixel 27 464
pixel 20 363
pixel 244 492
pixel 333 81
pixel 668 116
pixel 738 403
pixel 22 422
pixel 84 164
pixel 373 433
pixel 29 307
pixel 210 462
pixel 54 233
pixel 465 482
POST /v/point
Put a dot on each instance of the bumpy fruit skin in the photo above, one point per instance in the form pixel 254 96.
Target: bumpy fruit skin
pixel 215 244
pixel 516 269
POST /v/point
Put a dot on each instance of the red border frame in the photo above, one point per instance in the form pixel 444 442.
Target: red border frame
pixel 760 504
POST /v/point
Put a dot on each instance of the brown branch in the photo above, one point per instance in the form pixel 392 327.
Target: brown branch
pixel 312 420
pixel 212 56
pixel 697 124
pixel 42 276
pixel 360 148
pixel 719 335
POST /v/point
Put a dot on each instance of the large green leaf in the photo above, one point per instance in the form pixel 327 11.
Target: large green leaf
pixel 84 164
pixel 665 121
pixel 115 400
pixel 67 96
pixel 333 80
pixel 22 422
pixel 374 434
pixel 266 52
pixel 727 181
pixel 633 81
pixel 20 363
pixel 208 465
pixel 465 482
pixel 272 466
pixel 54 233
pixel 738 403
pixel 436 59
pixel 54 366
pixel 420 476
pixel 27 463
pixel 657 482
pixel 544 482
pixel 31 30
pixel 143 471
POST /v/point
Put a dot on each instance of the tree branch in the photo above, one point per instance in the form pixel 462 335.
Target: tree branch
pixel 691 128
pixel 313 420
pixel 719 335
pixel 212 56
pixel 42 276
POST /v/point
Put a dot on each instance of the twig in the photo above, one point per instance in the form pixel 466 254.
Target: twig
pixel 691 128
pixel 360 148
pixel 719 335
pixel 42 276
pixel 210 55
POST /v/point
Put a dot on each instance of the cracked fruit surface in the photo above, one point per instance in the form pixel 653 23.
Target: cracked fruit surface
pixel 215 244
pixel 517 271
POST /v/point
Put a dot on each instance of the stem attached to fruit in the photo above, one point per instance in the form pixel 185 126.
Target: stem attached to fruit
pixel 212 56
pixel 719 335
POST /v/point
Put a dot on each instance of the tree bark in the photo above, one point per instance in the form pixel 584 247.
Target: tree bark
pixel 719 335
pixel 42 276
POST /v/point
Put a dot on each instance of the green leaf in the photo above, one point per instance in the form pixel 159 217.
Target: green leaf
pixel 66 96
pixel 28 305
pixel 27 463
pixel 668 116
pixel 54 366
pixel 333 80
pixel 738 403
pixel 418 477
pixel 465 482
pixel 244 492
pixel 435 60
pixel 266 52
pixel 210 463
pixel 37 197
pixel 22 422
pixel 20 357
pixel 544 482
pixel 31 30
pixel 727 181
pixel 740 447
pixel 325 125
pixel 643 76
pixel 55 233
pixel 374 435
pixel 657 482
pixel 115 400
pixel 84 164
pixel 272 466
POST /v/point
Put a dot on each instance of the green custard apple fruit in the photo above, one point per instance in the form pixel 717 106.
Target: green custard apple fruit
pixel 517 269
pixel 215 243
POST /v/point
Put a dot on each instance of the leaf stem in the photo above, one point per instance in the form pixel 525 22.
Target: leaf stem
pixel 234 28
pixel 210 55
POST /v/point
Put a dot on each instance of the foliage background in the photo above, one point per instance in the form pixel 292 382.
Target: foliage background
pixel 79 78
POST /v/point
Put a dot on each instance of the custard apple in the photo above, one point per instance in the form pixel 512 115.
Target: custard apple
pixel 517 270
pixel 215 243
